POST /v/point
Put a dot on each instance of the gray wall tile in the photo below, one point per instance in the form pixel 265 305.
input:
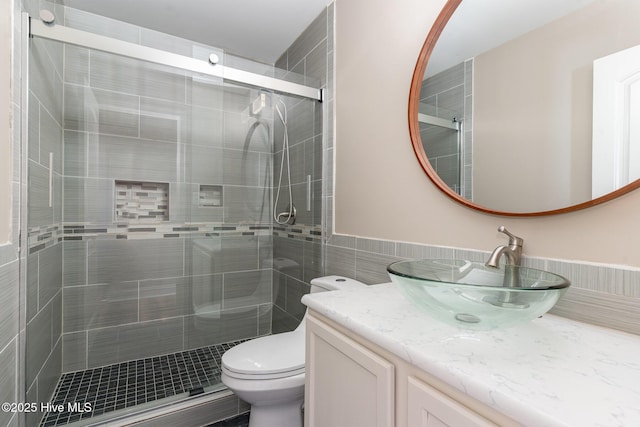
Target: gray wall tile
pixel 340 261
pixel 206 92
pixel 247 288
pixel 293 251
pixel 206 295
pixel 32 286
pixel 97 306
pixel 600 308
pixel 113 261
pixel 311 37
pixel 385 247
pixel 242 168
pixel 8 380
pixel 316 63
pixel 246 204
pixel 39 212
pixel 162 298
pixel 76 145
pixel 631 280
pixel 209 164
pixel 206 127
pixel 133 159
pixel 371 268
pixel 74 345
pixel 596 278
pixel 83 106
pixel 120 343
pixel 48 378
pixel 239 253
pixel 312 262
pixel 295 290
pixel 88 200
pixel 300 122
pixel 74 263
pixel 44 80
pixel 33 418
pixel 76 65
pixel 9 297
pixel 159 128
pixel 39 343
pixel 50 141
pixel 50 273
pixel 34 128
pixel 282 321
pixel 233 324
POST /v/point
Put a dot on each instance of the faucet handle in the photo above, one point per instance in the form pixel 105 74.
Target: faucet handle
pixel 513 240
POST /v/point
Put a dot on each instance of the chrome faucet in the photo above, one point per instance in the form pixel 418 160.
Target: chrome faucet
pixel 512 251
pixel 511 279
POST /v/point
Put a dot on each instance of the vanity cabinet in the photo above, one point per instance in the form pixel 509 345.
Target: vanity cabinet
pixel 346 383
pixel 351 382
pixel 428 407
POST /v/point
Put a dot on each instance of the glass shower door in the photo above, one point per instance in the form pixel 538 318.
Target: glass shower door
pixel 152 248
pixel 149 227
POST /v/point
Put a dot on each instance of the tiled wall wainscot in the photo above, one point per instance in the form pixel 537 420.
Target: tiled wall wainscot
pixel 604 295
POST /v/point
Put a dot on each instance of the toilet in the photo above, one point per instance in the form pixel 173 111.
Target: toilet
pixel 268 372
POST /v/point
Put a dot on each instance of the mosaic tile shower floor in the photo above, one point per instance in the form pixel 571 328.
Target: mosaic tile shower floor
pixel 109 388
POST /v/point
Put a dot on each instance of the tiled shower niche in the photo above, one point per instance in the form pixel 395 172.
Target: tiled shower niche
pixel 210 196
pixel 142 201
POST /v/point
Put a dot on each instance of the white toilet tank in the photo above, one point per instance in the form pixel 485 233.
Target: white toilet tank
pixel 330 283
pixel 333 283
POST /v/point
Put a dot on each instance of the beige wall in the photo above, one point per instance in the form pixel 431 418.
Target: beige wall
pixel 543 110
pixel 5 121
pixel 380 190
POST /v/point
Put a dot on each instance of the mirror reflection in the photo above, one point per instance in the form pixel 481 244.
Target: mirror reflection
pixel 534 105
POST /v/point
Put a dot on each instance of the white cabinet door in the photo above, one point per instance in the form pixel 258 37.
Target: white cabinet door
pixel 428 407
pixel 347 385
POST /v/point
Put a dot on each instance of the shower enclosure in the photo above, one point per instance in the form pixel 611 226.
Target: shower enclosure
pixel 152 246
pixel 446 125
pixel 442 143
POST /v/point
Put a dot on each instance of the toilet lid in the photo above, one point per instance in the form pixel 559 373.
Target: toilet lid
pixel 274 354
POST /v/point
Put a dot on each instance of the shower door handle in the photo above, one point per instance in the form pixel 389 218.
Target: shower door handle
pixel 50 180
pixel 308 193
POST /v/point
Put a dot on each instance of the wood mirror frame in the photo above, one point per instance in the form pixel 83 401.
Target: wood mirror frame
pixel 414 131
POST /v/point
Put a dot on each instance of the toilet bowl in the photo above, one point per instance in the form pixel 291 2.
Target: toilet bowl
pixel 268 372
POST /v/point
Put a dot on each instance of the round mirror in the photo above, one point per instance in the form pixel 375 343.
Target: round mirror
pixel 530 107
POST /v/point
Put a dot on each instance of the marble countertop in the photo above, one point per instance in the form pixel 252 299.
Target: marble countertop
pixel 549 372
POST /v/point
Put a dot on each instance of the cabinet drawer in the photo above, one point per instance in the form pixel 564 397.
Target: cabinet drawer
pixel 428 407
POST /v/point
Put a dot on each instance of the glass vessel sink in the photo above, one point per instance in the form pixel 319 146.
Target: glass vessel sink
pixel 473 296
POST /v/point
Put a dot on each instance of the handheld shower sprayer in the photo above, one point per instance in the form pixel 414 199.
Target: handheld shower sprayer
pixel 288 217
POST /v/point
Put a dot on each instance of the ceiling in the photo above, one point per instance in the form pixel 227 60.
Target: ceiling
pixel 257 29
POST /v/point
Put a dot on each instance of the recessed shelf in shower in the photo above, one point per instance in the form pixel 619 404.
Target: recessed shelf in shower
pixel 210 196
pixel 142 201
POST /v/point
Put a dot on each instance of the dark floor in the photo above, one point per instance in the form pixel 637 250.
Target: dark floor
pixel 239 421
pixel 123 385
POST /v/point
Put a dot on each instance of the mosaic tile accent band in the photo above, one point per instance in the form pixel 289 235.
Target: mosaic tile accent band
pixel 44 237
pixel 127 384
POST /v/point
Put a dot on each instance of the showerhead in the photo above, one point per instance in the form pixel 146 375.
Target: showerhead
pixel 258 104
